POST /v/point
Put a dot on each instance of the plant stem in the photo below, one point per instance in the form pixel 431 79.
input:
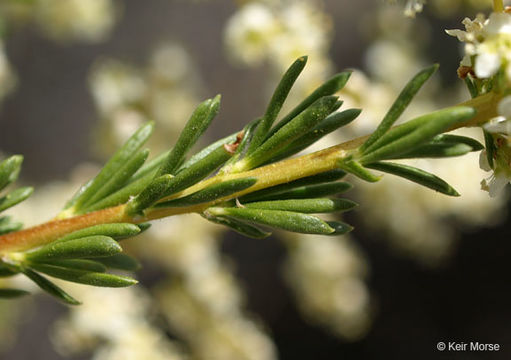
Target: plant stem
pixel 267 176
pixel 52 230
pixel 498 5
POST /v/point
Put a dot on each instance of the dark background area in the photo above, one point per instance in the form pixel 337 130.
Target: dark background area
pixel 49 119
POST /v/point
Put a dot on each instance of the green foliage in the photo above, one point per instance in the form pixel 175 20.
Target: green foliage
pixel 286 220
pixel 293 130
pixel 211 193
pixel 86 247
pixel 400 105
pixel 243 192
pixel 416 175
pixel 276 102
pixel 12 293
pixel 195 127
pixel 86 197
pixel 117 231
pixel 306 206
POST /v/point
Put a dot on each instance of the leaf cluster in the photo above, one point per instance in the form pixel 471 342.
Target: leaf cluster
pixel 422 137
pixel 230 182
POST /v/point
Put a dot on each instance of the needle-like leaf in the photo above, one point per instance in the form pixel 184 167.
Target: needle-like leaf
pixel 306 206
pixel 50 287
pixel 15 197
pixel 293 130
pixel 112 167
pixel 330 87
pixel 194 128
pixel 401 103
pixel 416 175
pixel 12 293
pixel 276 102
pixel 85 277
pixel 240 227
pixel 87 247
pixel 286 220
pixel 9 170
pixel 117 231
pixel 211 193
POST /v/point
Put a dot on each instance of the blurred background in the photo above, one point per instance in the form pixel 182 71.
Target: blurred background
pixel 78 77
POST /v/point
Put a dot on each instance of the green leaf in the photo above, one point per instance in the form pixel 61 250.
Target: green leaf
pixel 444 145
pixel 325 127
pixel 211 193
pixel 112 167
pixel 398 141
pixel 339 227
pixel 120 262
pixel 458 139
pixel 276 102
pixel 194 128
pixel 301 192
pixel 7 225
pixel 293 130
pixel 207 150
pixel 50 287
pixel 491 148
pixel 416 175
pixel 355 168
pixel 12 293
pixel 330 87
pixel 7 270
pixel 9 170
pixel 123 195
pixel 4 272
pixel 143 227
pixel 167 185
pixel 119 179
pixel 439 150
pixel 472 88
pixel 118 231
pixel 239 226
pixel 247 135
pixel 399 106
pixel 286 220
pixel 15 197
pixel 198 171
pixel 76 264
pixel 152 193
pixel 87 247
pixel 307 206
pixel 150 168
pixel 85 277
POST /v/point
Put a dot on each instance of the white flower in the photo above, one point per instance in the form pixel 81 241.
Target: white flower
pixel 488 41
pixel 249 32
pixel 487 64
pixel 66 20
pixel 500 128
pixel 414 6
pixel 502 123
pixel 498 180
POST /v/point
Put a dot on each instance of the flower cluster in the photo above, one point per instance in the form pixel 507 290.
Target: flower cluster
pixel 7 78
pixel 412 7
pixel 203 302
pixel 487 60
pixel 116 324
pixel 327 277
pixel 487 44
pixel 498 159
pixel 165 90
pixel 65 20
pixel 425 236
pixel 279 31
